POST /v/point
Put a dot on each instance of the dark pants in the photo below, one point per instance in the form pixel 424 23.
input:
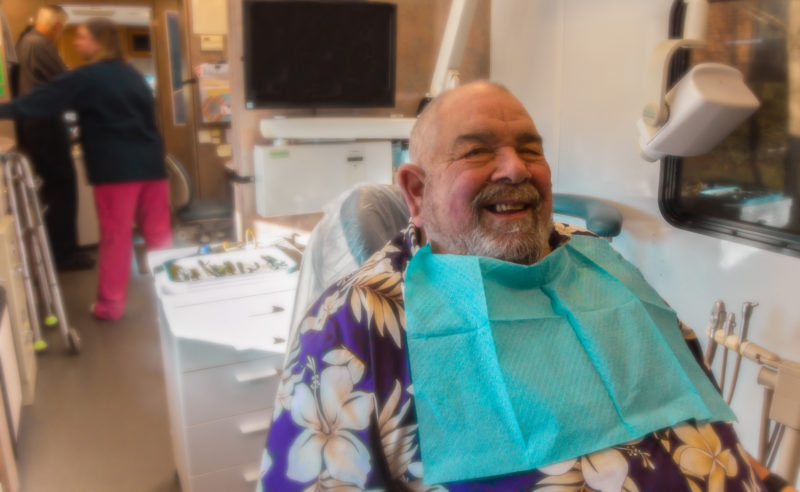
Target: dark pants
pixel 46 143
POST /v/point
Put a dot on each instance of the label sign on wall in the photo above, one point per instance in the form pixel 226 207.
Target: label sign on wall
pixel 209 17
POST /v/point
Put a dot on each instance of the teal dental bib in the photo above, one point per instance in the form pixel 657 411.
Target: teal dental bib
pixel 516 367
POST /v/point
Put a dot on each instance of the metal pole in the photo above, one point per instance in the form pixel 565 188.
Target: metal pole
pixel 30 297
pixel 70 335
pixel 789 457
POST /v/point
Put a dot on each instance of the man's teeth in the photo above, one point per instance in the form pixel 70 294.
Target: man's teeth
pixel 508 207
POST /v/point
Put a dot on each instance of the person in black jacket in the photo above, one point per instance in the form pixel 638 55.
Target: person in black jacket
pixel 123 153
pixel 45 139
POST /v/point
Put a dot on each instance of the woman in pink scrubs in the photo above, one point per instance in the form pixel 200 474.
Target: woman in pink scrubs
pixel 123 153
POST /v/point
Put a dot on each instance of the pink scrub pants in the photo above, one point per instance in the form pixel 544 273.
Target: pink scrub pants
pixel 119 205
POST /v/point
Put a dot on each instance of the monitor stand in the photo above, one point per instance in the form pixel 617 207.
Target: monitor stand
pixel 337 128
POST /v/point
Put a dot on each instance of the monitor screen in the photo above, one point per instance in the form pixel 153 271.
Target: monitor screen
pixel 307 54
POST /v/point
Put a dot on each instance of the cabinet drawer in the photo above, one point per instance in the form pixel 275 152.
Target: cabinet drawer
pixel 241 478
pixel 207 334
pixel 194 355
pixel 228 442
pixel 220 392
pixel 11 383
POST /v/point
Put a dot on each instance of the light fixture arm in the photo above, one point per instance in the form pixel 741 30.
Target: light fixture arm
pixel 451 49
pixel 694 36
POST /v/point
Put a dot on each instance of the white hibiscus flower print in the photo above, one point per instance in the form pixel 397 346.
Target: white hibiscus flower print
pixel 328 308
pixel 605 471
pixel 329 411
pixel 283 398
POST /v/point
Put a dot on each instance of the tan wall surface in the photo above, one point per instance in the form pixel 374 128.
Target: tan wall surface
pixel 179 140
pixel 420 25
pixel 20 12
pixel 212 179
pixel 72 58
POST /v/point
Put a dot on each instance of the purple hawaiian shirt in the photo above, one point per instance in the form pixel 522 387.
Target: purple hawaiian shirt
pixel 344 415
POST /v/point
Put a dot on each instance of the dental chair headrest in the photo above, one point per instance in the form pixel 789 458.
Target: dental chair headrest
pixel 371 215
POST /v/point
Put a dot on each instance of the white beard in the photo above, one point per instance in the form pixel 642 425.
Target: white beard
pixel 525 241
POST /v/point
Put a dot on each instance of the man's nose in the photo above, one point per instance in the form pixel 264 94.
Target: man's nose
pixel 510 167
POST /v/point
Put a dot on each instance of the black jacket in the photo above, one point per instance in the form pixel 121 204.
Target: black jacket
pixel 39 62
pixel 116 114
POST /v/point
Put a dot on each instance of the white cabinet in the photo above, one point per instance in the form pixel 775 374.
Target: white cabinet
pixel 235 479
pixel 9 368
pixel 227 442
pixel 215 393
pixel 88 229
pixel 301 179
pixel 220 395
pixel 10 402
pixel 12 281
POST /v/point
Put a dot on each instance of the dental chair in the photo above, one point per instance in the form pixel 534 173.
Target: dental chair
pixel 211 219
pixel 360 222
pixel 363 219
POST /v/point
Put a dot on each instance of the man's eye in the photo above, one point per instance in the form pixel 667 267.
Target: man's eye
pixel 475 152
pixel 531 152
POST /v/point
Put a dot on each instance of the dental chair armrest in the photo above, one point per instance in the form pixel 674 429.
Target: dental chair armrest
pixel 600 217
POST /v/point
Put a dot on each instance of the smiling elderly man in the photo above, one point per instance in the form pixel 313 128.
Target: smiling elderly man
pixel 486 348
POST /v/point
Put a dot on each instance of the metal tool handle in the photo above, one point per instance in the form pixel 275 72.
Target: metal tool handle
pixel 747 312
pixel 718 315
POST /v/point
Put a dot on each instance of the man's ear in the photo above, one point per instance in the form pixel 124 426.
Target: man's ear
pixel 411 179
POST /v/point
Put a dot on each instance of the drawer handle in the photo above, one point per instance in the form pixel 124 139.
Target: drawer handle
pixel 275 309
pixel 254 427
pixel 251 476
pixel 249 377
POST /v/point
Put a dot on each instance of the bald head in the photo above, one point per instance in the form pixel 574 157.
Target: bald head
pixel 479 183
pixel 425 130
pixel 50 21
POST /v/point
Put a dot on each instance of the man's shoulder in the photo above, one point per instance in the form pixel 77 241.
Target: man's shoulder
pixel 565 231
pixel 34 41
pixel 367 302
pixel 388 262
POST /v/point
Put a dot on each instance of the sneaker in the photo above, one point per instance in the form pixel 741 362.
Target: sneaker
pixel 75 262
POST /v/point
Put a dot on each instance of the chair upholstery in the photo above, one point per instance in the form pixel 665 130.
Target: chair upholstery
pixel 185 207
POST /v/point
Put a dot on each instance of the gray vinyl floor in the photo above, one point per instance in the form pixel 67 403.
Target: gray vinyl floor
pixel 100 420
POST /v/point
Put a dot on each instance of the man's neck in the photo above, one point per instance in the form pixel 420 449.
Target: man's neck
pixel 47 33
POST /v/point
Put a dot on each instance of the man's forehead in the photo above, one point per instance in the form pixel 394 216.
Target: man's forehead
pixel 492 112
pixel 521 136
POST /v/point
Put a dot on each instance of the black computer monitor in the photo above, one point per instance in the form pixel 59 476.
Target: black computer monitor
pixel 309 54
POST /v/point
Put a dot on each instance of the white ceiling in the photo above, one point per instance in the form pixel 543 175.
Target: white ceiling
pixel 122 15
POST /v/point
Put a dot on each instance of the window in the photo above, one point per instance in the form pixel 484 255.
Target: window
pixel 748 187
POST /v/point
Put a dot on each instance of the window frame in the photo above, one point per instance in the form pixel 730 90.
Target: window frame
pixel 669 194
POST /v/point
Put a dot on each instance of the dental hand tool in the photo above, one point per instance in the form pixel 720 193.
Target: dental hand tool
pixel 747 312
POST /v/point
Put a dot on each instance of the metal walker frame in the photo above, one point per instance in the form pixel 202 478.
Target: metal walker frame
pixel 24 205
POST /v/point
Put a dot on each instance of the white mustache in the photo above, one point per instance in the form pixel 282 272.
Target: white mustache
pixel 494 192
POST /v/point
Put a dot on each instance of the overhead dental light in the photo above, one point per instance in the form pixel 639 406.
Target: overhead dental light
pixel 703 107
pixel 451 50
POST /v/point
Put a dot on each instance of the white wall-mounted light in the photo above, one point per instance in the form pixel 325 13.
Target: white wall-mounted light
pixel 706 105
